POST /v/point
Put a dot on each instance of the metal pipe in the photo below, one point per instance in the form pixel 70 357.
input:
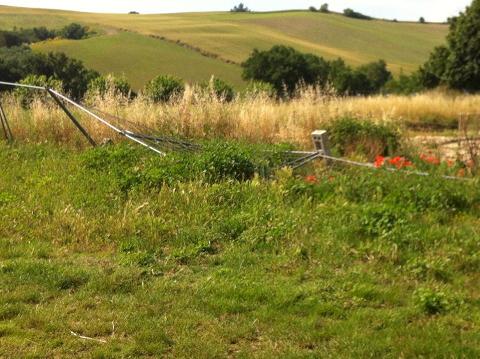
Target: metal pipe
pixel 71 117
pixel 5 125
pixel 11 84
pixel 116 129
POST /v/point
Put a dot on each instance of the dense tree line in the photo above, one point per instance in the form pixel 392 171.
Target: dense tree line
pixel 17 63
pixel 17 37
pixel 285 68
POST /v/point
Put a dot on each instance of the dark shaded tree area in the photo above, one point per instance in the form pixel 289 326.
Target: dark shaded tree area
pixel 19 37
pixel 456 64
pixel 285 68
pixel 355 15
pixel 240 8
pixel 17 63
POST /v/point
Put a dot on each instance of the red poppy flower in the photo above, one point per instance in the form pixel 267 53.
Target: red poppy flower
pixel 311 179
pixel 379 161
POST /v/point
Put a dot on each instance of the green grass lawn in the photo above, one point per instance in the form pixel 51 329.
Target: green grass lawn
pixel 404 46
pixel 360 264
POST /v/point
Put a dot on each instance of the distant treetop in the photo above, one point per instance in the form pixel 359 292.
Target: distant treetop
pixel 324 8
pixel 134 13
pixel 240 8
pixel 355 15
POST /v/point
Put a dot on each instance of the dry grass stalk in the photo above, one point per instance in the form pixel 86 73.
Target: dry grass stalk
pixel 258 119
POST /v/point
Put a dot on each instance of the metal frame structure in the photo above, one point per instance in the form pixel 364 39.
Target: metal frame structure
pixel 150 142
pixel 319 137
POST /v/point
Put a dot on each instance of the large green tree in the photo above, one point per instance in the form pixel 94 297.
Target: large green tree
pixel 457 64
pixel 463 65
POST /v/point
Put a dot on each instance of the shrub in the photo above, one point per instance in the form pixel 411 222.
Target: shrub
pixel 222 161
pixel 260 89
pixel 350 135
pixel 312 9
pixel 74 31
pixel 26 95
pixel 219 89
pixel 434 302
pixel 284 68
pixel 421 20
pixel 103 85
pixel 164 88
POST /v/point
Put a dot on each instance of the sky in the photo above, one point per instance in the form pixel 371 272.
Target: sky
pixel 432 10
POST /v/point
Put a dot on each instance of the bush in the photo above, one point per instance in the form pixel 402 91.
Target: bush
pixel 353 136
pixel 355 15
pixel 260 89
pixel 312 9
pixel 404 84
pixel 26 95
pixel 434 302
pixel 285 68
pixel 421 20
pixel 164 88
pixel 222 161
pixel 219 89
pixel 74 31
pixel 324 8
pixel 102 85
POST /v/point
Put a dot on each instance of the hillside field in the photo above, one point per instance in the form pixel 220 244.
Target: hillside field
pixel 228 37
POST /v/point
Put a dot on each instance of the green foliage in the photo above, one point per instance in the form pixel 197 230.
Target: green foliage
pixel 26 96
pixel 432 73
pixel 240 8
pixel 25 36
pixel 219 89
pixel 421 20
pixel 18 63
pixel 405 84
pixel 260 89
pixel 377 75
pixel 312 9
pixel 285 68
pixel 353 136
pixel 223 161
pixel 434 302
pixel 110 84
pixel 217 162
pixel 350 258
pixel 463 67
pixel 355 15
pixel 74 31
pixel 164 88
pixel 457 64
pixel 324 8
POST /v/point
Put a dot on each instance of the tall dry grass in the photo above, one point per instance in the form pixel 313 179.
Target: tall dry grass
pixel 258 119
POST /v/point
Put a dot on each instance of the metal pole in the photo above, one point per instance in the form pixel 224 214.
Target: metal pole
pixel 5 126
pixel 127 134
pixel 74 120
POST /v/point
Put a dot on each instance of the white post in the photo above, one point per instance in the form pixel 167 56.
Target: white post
pixel 321 143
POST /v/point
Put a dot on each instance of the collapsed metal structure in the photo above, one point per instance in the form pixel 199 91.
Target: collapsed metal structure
pixel 156 144
pixel 161 144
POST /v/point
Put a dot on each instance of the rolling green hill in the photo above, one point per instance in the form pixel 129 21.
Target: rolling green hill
pixel 210 40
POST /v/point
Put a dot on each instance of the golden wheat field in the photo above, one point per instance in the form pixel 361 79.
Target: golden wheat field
pixel 255 119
